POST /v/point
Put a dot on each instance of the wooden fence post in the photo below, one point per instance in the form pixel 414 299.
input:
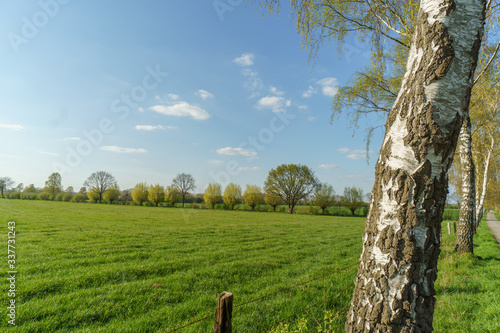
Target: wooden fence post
pixel 449 230
pixel 224 313
pixel 455 228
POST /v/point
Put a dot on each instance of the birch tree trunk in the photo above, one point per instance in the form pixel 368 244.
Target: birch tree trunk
pixel 466 220
pixel 480 204
pixel 394 288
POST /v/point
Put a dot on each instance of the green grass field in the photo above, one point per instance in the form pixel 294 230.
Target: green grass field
pixel 105 268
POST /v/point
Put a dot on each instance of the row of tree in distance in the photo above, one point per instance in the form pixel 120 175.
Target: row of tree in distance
pixel 288 184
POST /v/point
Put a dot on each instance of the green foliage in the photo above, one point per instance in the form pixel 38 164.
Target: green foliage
pixel 112 193
pixel 324 196
pixel 252 196
pixel 171 195
pixel 53 185
pixel 45 196
pixel 140 193
pixel 212 194
pixel 352 198
pixel 272 200
pixel 291 182
pixel 79 197
pixel 156 194
pixel 232 195
pixel 451 214
pixel 93 196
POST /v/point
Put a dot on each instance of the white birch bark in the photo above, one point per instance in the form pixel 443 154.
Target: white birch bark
pixel 394 288
pixel 466 220
pixel 480 204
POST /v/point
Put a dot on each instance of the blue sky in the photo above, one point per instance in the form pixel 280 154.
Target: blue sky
pixel 146 90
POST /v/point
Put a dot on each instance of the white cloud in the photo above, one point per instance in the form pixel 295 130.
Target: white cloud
pixel 253 83
pixel 235 151
pixel 72 138
pixel 356 156
pixel 329 86
pixel 140 109
pixel 309 92
pixel 275 103
pixel 48 153
pixel 204 95
pixel 153 127
pixel 276 91
pixel 117 149
pixel 311 118
pixel 344 150
pixel 172 97
pixel 182 109
pixel 328 166
pixel 303 107
pixel 12 127
pixel 249 168
pixel 246 59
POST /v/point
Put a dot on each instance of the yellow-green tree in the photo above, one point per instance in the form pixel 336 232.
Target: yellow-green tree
pixel 140 193
pixel 252 195
pixel 53 185
pixel 112 193
pixel 291 182
pixel 232 195
pixel 172 195
pixel 272 200
pixel 93 196
pixel 324 196
pixel 212 194
pixel 156 194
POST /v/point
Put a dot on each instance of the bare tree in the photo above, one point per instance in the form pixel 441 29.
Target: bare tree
pixel 5 183
pixel 184 183
pixel 99 182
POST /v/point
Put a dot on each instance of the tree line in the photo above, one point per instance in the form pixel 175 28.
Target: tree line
pixel 288 184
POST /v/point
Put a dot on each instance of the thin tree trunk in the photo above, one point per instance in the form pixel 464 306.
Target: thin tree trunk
pixel 480 204
pixel 466 220
pixel 394 289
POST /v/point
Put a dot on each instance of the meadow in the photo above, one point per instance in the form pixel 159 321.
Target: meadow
pixel 106 268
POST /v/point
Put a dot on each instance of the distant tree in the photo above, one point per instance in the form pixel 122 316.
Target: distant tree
pixel 212 194
pixel 30 189
pixel 20 187
pixel 232 195
pixel 112 193
pixel 125 196
pixel 156 194
pixel 184 183
pixel 99 182
pixel 352 198
pixel 140 193
pixel 324 196
pixel 291 182
pixel 272 200
pixel 5 183
pixel 172 195
pixel 54 184
pixel 93 196
pixel 252 195
pixel 83 190
pixel 70 189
